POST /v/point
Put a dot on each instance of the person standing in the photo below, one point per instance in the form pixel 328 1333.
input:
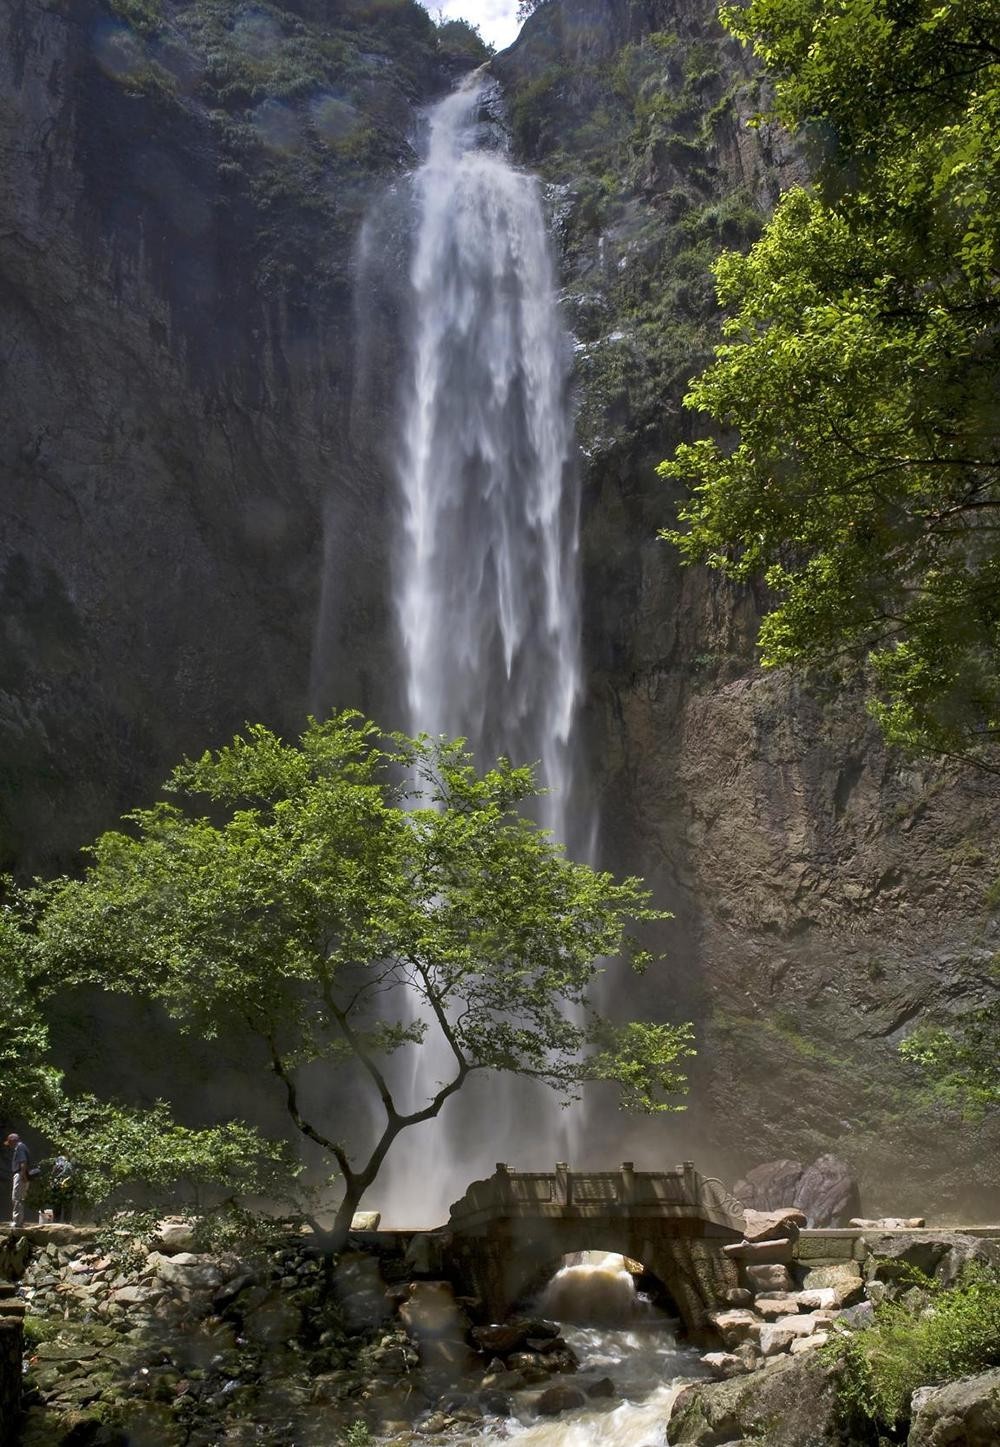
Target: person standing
pixel 20 1164
pixel 62 1181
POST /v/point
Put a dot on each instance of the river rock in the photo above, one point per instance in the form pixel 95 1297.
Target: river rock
pixel 495 1402
pixel 844 1280
pixel 560 1398
pixel 725 1365
pixel 737 1297
pixel 774 1306
pixel 803 1324
pixel 770 1186
pixel 734 1326
pixel 808 1343
pixel 857 1318
pixel 366 1220
pixel 509 1336
pixel 500 1339
pixel 828 1193
pixel 820 1298
pixel 965 1413
pixel 773 1280
pixel 603 1387
pixel 774 1339
pixel 530 1367
pixel 773 1225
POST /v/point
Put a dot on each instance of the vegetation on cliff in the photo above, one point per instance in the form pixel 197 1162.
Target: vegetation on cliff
pixel 301 107
pixel 930 1335
pixel 339 900
pixel 632 135
pixel 860 467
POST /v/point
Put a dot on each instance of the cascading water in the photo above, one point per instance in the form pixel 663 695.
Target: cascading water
pixel 486 569
pixel 488 595
pixel 614 1333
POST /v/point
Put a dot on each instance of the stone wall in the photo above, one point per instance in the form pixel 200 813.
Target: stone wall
pixel 11 1353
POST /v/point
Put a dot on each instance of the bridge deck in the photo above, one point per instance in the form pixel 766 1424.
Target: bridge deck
pixel 681 1195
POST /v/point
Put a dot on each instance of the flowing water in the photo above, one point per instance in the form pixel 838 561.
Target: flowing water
pixel 486 582
pixel 488 592
pixel 615 1333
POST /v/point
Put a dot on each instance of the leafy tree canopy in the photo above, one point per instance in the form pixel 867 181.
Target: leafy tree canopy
pixel 113 1145
pixel 857 386
pixel 527 7
pixel 463 40
pixel 962 1062
pixel 343 898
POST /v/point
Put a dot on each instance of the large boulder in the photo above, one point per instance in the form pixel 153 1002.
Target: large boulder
pixel 965 1413
pixel 828 1193
pixel 791 1404
pixel 770 1186
pixel 938 1254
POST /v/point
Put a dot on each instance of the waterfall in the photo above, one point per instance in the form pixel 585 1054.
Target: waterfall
pixel 596 1290
pixel 486 583
pixel 488 596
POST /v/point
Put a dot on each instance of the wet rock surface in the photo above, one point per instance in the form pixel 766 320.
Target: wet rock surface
pixel 965 1413
pixel 788 1405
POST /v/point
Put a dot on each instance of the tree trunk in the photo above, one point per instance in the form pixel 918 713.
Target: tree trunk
pixel 335 1239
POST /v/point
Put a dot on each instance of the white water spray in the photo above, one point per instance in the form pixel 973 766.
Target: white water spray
pixel 487 588
pixel 617 1333
pixel 488 598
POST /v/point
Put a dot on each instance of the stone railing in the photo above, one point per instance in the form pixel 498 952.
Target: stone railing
pixel 679 1193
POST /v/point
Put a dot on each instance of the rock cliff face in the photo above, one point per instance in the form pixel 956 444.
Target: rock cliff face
pixel 181 191
pixel 828 895
pixel 189 483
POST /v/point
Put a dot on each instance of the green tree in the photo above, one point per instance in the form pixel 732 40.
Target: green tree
pixel 341 898
pixel 114 1145
pixel 962 1062
pixel 856 390
pixel 461 40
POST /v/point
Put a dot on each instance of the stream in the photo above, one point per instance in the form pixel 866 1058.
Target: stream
pixel 617 1333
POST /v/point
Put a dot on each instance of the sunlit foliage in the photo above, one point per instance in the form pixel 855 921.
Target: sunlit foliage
pixel 856 393
pixel 341 898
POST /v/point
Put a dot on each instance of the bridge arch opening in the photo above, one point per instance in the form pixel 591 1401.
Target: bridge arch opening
pixel 596 1287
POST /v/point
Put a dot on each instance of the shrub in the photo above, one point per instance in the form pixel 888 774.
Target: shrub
pixel 956 1334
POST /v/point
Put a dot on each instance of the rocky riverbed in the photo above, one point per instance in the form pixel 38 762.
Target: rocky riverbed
pixel 140 1337
pixel 147 1340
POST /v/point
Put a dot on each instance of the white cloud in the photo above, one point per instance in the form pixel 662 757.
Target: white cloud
pixel 496 19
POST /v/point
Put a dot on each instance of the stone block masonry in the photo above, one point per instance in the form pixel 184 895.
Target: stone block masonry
pixel 11 1353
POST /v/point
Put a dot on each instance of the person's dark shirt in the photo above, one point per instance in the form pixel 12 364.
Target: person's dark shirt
pixel 20 1158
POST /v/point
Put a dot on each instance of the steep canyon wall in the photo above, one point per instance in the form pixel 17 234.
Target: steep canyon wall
pixel 828 895
pixel 196 491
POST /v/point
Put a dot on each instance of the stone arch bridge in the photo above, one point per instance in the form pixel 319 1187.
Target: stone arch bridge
pixel 509 1230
